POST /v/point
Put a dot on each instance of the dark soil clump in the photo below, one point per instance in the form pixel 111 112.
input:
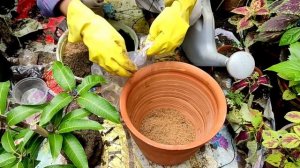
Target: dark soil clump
pixel 76 56
pixel 168 126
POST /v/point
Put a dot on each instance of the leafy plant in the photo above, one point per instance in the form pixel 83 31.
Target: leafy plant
pixel 290 70
pixel 283 145
pixel 19 147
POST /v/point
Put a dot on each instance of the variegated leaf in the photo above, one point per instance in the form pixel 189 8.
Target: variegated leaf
pixel 241 137
pixel 244 24
pixel 241 10
pixel 250 39
pixel 271 143
pixel 278 23
pixel 290 140
pixel 293 116
pixel 288 95
pixel 275 159
pixel 262 11
pixel 289 7
pixel 270 134
pixel 297 129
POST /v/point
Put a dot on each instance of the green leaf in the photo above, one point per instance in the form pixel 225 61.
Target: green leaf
pixel 297 129
pixel 234 116
pixel 290 165
pixel 246 115
pixel 61 166
pixel 275 159
pixel 8 142
pixel 295 51
pixel 10 165
pixel 288 70
pixel 293 116
pixel 30 162
pixel 64 76
pixel 293 83
pixel 88 82
pixel 288 95
pixel 74 151
pixel 99 106
pixel 78 124
pixel 257 118
pixel 34 146
pixel 18 165
pixel 271 139
pixel 20 113
pixel 55 141
pixel 6 159
pixel 26 138
pixel 76 114
pixel 290 36
pixel 4 88
pixel 58 102
pixel 290 140
pixel 57 118
pixel 252 146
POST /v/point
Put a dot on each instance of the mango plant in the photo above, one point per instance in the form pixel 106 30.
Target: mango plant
pixel 19 147
pixel 284 145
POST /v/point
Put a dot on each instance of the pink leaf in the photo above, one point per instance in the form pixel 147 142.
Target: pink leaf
pixel 242 137
pixel 244 24
pixel 239 85
pixel 262 11
pixel 253 87
pixel 278 23
pixel 241 10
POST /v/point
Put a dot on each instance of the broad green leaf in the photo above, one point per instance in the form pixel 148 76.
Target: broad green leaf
pixel 288 95
pixel 34 146
pixel 99 106
pixel 270 143
pixel 234 116
pixel 78 124
pixel 64 76
pixel 257 118
pixel 8 142
pixel 293 83
pixel 288 70
pixel 293 116
pixel 295 51
pixel 88 82
pixel 290 140
pixel 6 159
pixel 76 114
pixel 26 138
pixel 20 113
pixel 58 102
pixel 61 166
pixel 4 88
pixel 290 36
pixel 275 159
pixel 10 165
pixel 297 89
pixel 55 141
pixel 246 115
pixel 18 165
pixel 29 162
pixel 74 151
pixel 297 129
pixel 290 165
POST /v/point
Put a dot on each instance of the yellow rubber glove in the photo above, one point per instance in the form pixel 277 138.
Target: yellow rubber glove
pixel 169 28
pixel 106 46
pixel 168 2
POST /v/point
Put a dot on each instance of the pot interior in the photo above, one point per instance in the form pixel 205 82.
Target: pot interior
pixel 188 94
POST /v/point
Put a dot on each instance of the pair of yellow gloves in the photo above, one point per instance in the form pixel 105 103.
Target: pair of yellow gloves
pixel 107 47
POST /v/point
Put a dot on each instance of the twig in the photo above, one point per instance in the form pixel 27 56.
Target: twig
pixel 36 128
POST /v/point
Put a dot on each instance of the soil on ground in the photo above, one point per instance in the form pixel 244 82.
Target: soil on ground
pixel 168 126
pixel 76 56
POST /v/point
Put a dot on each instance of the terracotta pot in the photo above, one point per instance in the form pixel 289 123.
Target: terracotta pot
pixel 180 86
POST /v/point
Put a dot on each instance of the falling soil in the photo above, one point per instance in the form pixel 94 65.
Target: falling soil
pixel 128 40
pixel 76 56
pixel 168 126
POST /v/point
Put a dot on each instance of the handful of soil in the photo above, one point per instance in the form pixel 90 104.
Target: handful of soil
pixel 76 56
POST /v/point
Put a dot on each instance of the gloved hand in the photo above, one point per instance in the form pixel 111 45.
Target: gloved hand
pixel 169 28
pixel 106 46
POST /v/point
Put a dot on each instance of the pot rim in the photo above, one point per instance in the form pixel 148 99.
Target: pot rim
pixel 169 66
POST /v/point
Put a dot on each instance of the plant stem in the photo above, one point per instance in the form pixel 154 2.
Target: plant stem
pixel 288 126
pixel 36 128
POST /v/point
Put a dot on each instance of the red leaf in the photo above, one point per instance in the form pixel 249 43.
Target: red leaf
pixel 23 8
pixel 241 137
pixel 253 87
pixel 241 10
pixel 240 85
pixel 244 24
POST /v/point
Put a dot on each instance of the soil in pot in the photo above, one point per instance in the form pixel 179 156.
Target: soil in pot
pixel 168 126
pixel 76 56
pixel 128 40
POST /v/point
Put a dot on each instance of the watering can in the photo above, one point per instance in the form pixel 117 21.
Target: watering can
pixel 200 47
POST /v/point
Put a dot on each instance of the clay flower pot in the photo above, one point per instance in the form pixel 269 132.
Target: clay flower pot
pixel 181 86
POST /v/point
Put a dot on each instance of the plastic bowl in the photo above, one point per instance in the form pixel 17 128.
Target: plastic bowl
pixel 30 91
